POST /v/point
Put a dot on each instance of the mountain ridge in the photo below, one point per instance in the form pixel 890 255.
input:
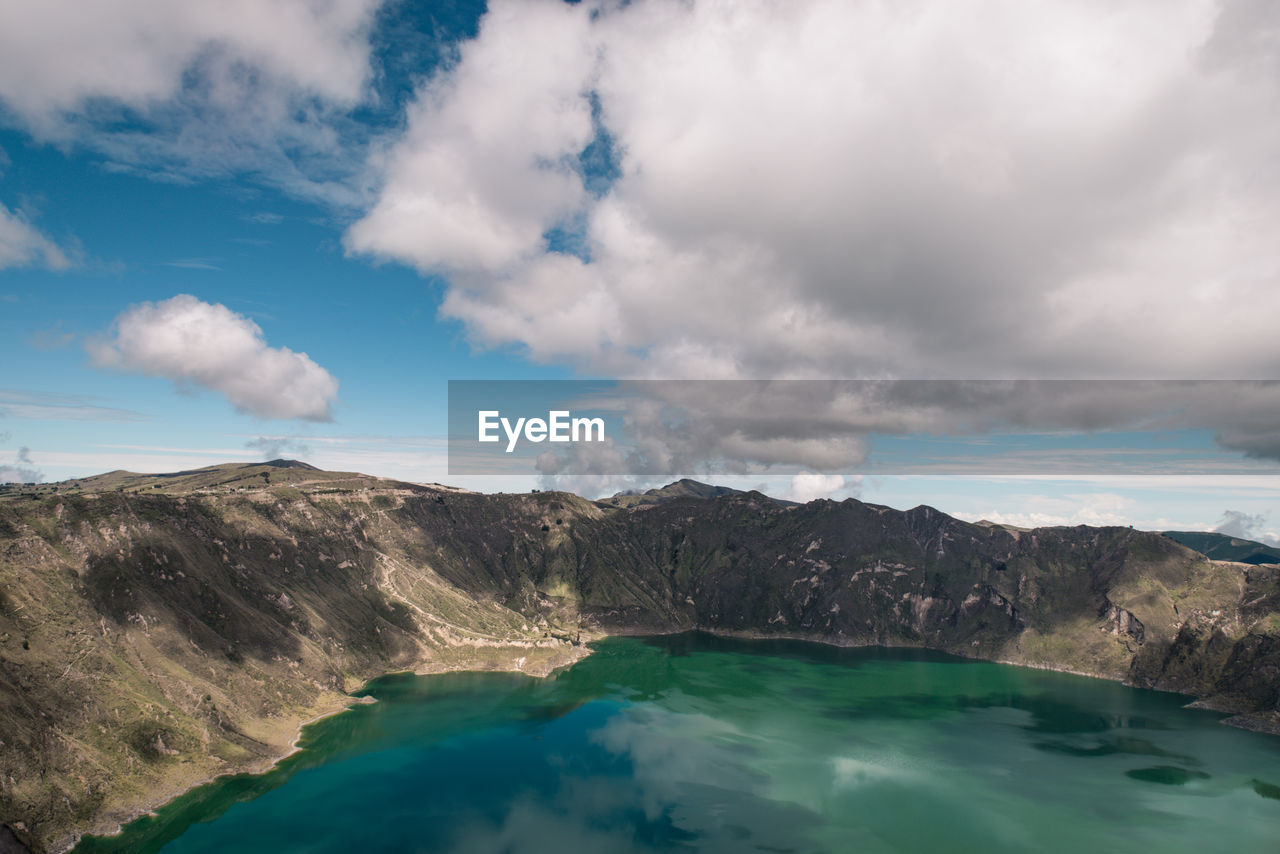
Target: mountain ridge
pixel 683 488
pixel 155 632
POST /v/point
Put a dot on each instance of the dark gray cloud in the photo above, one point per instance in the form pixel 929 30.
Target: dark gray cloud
pixel 740 426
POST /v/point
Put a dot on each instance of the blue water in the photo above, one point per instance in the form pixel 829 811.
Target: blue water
pixel 695 743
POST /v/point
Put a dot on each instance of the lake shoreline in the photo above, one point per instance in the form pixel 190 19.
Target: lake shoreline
pixel 517 662
pixel 861 723
pixel 568 656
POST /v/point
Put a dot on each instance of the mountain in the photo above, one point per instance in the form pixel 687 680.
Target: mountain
pixel 1225 547
pixel 157 630
pixel 683 488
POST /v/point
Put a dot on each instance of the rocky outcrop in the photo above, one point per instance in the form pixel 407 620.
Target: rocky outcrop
pixel 1122 623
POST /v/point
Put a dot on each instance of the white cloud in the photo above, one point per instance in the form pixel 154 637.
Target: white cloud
pixel 808 486
pixel 189 341
pixel 192 264
pixel 485 166
pixel 1097 509
pixel 833 188
pixel 22 245
pixel 197 87
pixel 57 54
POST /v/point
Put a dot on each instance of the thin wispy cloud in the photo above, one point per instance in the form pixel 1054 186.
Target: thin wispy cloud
pixel 53 338
pixel 23 245
pixel 18 403
pixel 192 264
pixel 264 218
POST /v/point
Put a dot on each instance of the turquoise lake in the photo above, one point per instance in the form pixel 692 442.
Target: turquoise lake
pixel 694 743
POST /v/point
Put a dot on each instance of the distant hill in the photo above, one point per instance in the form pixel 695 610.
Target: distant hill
pixel 227 477
pixel 683 488
pixel 1226 547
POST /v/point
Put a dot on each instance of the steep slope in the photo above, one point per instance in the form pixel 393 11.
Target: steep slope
pixel 148 640
pixel 151 636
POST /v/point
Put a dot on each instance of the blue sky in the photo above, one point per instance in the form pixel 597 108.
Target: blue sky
pixel 414 193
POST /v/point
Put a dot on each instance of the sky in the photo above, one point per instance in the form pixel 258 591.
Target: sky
pixel 248 229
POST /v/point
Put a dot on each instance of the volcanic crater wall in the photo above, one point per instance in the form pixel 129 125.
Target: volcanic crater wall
pixel 152 639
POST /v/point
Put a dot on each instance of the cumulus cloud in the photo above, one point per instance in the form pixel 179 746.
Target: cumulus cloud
pixel 827 188
pixel 809 486
pixel 194 87
pixel 22 245
pixel 137 51
pixel 208 345
pixel 486 164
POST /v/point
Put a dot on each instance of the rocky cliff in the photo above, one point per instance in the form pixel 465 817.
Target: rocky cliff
pixel 156 631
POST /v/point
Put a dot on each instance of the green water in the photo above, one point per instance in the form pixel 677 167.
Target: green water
pixel 701 744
